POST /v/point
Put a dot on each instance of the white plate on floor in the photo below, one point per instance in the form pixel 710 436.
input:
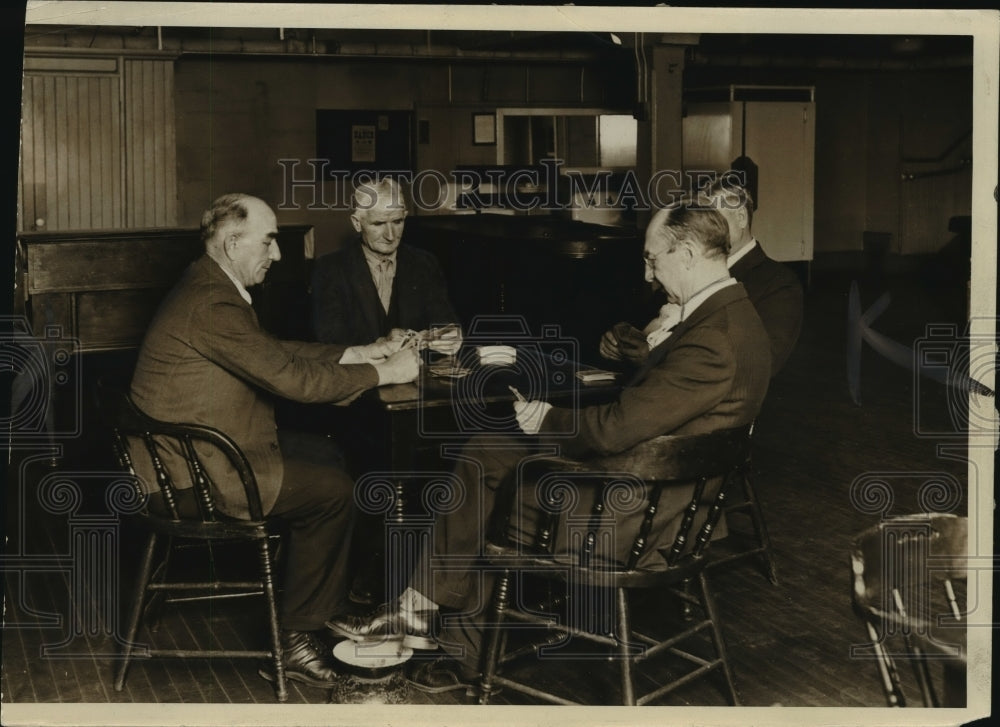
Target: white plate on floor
pixel 377 655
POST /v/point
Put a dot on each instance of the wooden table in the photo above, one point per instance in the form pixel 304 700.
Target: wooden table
pixel 409 431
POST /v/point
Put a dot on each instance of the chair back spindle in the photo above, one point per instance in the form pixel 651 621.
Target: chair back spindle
pixel 628 497
pixel 172 452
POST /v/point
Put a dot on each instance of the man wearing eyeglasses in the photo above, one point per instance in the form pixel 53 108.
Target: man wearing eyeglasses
pixel 773 289
pixel 708 371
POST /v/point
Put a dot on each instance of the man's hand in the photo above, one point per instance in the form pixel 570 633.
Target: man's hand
pixel 401 367
pixel 530 415
pixel 372 353
pixel 624 342
pixel 609 346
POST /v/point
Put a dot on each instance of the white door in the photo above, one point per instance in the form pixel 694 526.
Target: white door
pixel 780 139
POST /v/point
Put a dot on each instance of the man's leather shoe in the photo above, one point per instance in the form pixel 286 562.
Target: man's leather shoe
pixel 306 660
pixel 362 594
pixel 388 623
pixel 440 675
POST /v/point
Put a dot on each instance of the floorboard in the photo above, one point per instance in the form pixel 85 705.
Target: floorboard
pixel 789 644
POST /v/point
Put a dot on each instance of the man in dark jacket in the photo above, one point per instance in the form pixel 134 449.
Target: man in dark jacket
pixel 773 289
pixel 371 287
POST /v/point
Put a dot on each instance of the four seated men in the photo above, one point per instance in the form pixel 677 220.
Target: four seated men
pixel 702 365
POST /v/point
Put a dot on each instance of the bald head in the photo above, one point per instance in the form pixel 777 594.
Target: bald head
pixel 685 249
pixel 240 233
pixel 701 226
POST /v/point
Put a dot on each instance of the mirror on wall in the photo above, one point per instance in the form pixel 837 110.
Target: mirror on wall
pixel 585 139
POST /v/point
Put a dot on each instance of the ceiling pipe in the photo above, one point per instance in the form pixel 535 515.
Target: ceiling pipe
pixel 715 60
pixel 285 45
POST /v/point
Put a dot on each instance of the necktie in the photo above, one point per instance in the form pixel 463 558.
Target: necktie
pixel 384 283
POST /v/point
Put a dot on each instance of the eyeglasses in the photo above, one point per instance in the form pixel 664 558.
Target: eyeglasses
pixel 650 259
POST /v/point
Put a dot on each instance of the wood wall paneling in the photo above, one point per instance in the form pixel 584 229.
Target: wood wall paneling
pixel 98 146
pixel 151 166
pixel 69 143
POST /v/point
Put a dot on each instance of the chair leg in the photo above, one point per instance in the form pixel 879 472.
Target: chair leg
pixel 685 605
pixel 887 670
pixel 267 581
pixel 138 596
pixel 708 603
pixel 760 528
pixel 923 675
pixel 491 654
pixel 154 604
pixel 624 638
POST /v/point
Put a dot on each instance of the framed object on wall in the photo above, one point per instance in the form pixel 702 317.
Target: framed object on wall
pixel 352 140
pixel 484 129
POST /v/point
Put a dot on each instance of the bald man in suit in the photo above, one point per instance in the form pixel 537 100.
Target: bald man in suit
pixel 205 360
pixel 773 289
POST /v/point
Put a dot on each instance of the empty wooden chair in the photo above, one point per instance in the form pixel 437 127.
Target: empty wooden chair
pixel 604 587
pixel 909 587
pixel 136 435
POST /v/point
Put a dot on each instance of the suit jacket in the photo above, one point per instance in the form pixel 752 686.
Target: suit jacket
pixel 776 293
pixel 205 360
pixel 711 373
pixel 346 306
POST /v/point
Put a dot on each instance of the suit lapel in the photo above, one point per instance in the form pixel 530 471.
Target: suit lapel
pixel 400 300
pixel 221 285
pixel 365 292
pixel 748 262
pixel 713 303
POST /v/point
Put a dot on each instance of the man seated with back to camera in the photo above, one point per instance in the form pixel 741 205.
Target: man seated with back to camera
pixel 773 289
pixel 710 372
pixel 205 360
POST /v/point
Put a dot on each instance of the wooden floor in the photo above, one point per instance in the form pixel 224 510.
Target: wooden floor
pixel 789 644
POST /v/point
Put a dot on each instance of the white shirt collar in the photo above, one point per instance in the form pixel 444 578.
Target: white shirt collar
pixel 239 286
pixel 702 295
pixel 373 258
pixel 661 334
pixel 739 254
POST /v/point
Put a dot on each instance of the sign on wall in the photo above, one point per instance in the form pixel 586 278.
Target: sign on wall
pixel 354 140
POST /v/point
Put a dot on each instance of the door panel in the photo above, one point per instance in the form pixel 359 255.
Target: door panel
pixel 70 153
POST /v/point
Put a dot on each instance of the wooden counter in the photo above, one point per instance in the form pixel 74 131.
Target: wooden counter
pixel 103 287
pixel 550 270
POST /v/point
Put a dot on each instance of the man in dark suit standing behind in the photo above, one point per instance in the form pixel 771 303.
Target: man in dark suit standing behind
pixel 773 289
pixel 370 288
pixel 205 360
